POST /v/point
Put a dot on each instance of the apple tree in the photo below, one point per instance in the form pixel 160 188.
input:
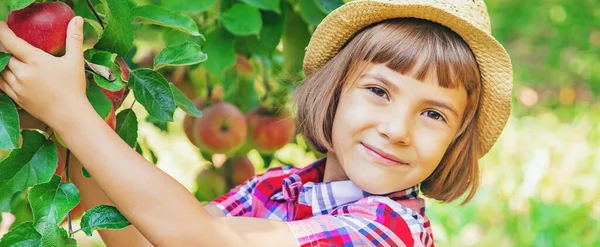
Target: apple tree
pixel 230 65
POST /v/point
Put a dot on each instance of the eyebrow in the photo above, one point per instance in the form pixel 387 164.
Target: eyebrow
pixel 437 103
pixel 441 104
pixel 382 79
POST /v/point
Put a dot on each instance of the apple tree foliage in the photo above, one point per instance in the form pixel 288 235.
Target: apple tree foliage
pixel 174 50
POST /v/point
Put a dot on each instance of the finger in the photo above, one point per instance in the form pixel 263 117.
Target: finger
pixel 16 66
pixel 9 78
pixel 74 42
pixel 5 88
pixel 15 45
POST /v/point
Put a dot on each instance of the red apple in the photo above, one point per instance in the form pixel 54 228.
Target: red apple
pixel 60 168
pixel 242 169
pixel 188 121
pixel 268 133
pixel 111 119
pixel 43 25
pixel 124 69
pixel 222 128
pixel 210 185
pixel 117 97
pixel 77 211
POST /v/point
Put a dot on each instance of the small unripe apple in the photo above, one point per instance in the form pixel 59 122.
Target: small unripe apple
pixel 43 25
pixel 210 185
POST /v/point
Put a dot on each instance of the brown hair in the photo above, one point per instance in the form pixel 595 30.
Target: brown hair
pixel 419 46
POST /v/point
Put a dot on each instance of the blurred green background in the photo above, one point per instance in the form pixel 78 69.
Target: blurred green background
pixel 540 182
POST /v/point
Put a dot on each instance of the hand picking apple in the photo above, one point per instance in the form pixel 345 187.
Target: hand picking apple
pixel 53 90
pixel 50 88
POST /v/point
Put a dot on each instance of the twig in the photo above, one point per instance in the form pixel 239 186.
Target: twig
pixel 89 4
pixel 50 136
pixel 131 107
pixel 67 170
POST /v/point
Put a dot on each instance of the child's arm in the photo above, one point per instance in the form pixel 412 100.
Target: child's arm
pixel 92 195
pixel 53 90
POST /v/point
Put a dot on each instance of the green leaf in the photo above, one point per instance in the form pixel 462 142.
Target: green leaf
pixel 56 236
pixel 295 39
pixel 4 59
pixel 127 126
pixel 85 173
pixel 22 235
pixel 242 19
pixel 33 163
pixel 60 141
pixel 220 51
pixel 161 125
pixel 138 149
pixel 9 124
pixel 98 99
pixel 102 217
pixel 118 32
pixel 50 203
pixel 242 94
pixel 187 53
pixel 152 90
pixel 270 35
pixel 264 4
pixel 184 102
pixel 187 6
pixel 95 25
pixel 328 5
pixel 152 14
pixel 115 85
pixel 18 4
pixel 108 60
pixel 310 12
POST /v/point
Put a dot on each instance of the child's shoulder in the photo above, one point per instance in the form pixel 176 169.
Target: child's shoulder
pixel 279 171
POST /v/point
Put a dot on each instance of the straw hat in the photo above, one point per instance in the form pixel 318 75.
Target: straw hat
pixel 468 18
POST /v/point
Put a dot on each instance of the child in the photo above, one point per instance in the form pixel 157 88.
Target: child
pixel 404 96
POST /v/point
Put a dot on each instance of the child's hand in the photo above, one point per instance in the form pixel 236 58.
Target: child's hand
pixel 49 88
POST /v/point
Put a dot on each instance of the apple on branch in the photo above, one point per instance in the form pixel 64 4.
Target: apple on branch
pixel 43 25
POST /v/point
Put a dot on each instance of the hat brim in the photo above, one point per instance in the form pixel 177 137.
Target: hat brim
pixel 493 60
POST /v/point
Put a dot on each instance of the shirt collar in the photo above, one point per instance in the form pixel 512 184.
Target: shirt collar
pixel 306 187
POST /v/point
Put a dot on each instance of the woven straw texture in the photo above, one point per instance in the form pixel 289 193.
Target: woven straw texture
pixel 468 18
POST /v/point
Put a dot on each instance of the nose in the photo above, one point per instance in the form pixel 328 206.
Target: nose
pixel 397 128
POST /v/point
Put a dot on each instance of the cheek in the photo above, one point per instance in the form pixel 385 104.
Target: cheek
pixel 432 145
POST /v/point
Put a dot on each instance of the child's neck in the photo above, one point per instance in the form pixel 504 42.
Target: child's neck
pixel 333 169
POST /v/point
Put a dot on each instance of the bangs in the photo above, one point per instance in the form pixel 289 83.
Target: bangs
pixel 417 48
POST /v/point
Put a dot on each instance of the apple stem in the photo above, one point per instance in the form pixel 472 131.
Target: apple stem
pixel 208 86
pixel 89 4
pixel 67 171
pixel 50 136
pixel 132 103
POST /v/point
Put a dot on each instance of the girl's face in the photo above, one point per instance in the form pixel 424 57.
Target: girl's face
pixel 390 130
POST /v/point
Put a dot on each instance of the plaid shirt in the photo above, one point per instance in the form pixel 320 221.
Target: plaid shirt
pixel 330 213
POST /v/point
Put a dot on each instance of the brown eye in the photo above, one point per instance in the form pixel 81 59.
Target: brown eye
pixel 379 92
pixel 435 115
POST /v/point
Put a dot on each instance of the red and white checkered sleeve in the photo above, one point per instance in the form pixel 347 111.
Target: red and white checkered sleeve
pixel 364 223
pixel 238 201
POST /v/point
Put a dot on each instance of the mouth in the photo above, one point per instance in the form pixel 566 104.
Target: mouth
pixel 383 157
